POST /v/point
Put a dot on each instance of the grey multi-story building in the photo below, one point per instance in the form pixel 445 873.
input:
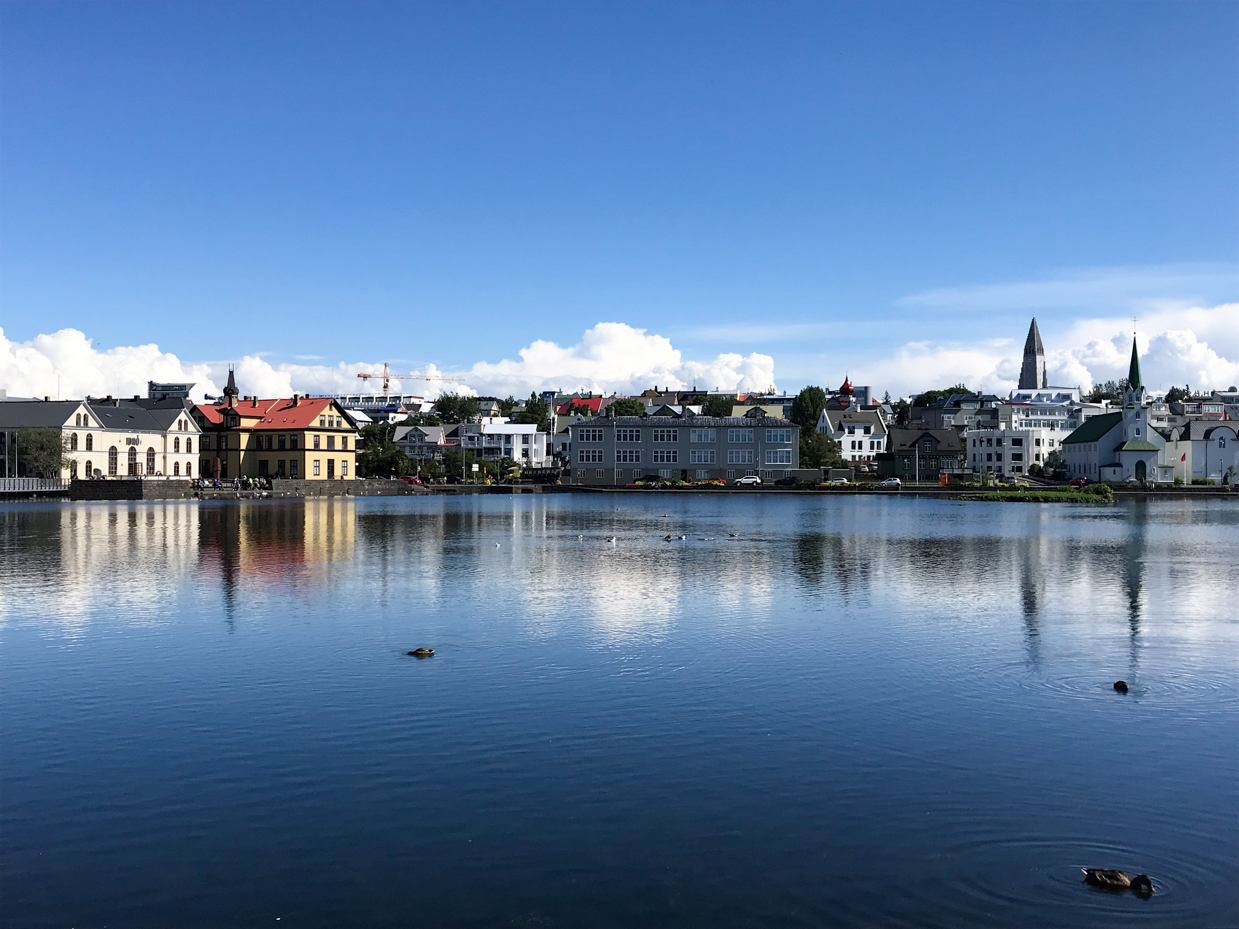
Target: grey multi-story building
pixel 621 449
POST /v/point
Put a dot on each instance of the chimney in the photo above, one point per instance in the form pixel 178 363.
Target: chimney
pixel 296 399
pixel 47 399
pixel 254 400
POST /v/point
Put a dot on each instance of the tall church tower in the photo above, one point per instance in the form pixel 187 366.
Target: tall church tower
pixel 1032 373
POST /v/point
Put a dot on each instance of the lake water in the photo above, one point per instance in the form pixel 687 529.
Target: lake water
pixel 856 711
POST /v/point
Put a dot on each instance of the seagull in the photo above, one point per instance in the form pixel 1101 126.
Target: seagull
pixel 611 540
pixel 731 535
pixel 580 538
pixel 667 538
pixel 496 545
pixel 681 538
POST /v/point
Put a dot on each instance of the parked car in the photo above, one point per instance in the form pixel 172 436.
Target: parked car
pixel 839 480
pixel 891 482
pixel 788 482
pixel 410 479
pixel 1079 481
pixel 1007 479
pixel 749 480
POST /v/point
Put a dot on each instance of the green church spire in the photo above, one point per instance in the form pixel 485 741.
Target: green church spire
pixel 1133 374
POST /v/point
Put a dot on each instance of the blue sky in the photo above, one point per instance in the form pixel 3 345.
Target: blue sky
pixel 447 183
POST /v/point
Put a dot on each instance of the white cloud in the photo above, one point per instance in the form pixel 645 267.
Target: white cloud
pixel 1197 346
pixel 611 357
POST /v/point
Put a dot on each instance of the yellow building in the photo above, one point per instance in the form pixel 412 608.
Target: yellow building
pixel 306 438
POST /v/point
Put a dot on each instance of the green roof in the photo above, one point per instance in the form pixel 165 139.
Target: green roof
pixel 1094 428
pixel 1137 447
pixel 1133 373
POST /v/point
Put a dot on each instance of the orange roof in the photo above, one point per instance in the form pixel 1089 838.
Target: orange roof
pixel 271 414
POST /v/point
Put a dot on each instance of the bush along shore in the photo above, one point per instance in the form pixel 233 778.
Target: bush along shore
pixel 1089 493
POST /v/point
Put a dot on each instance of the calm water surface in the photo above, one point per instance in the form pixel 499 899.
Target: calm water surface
pixel 854 712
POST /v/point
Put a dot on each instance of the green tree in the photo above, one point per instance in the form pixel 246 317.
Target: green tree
pixel 1110 390
pixel 718 405
pixel 1054 461
pixel 886 397
pixel 932 396
pixel 422 419
pixel 380 456
pixel 807 408
pixel 627 406
pixel 818 450
pixel 903 413
pixel 455 408
pixel 537 411
pixel 507 406
pixel 1178 394
pixel 41 451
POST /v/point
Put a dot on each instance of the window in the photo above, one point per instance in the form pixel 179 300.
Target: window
pixel 989 456
pixel 589 455
pixel 588 434
pixel 90 469
pixel 316 438
pixel 628 456
pixel 316 472
pixel 740 456
pixel 281 442
pixel 322 422
pixel 619 473
pixel 73 470
pixel 344 442
pixel 701 455
pixel 77 420
pixel 331 469
pixel 150 461
pixel 292 468
pixel 262 467
pixel 132 461
pixel 90 442
pixel 176 469
pixel 292 442
pixel 73 442
pixel 1000 441
pixel 665 472
pixel 702 475
pixel 1037 442
pixel 737 436
pixel 998 457
pixel 344 468
pixel 778 456
pixel 598 472
pixel 1017 456
pixel 189 446
pixel 730 475
pixel 331 443
pixel 525 439
pixel 666 435
pixel 176 446
pixel 989 442
pixel 627 435
pixel 702 435
pixel 778 435
pixel 666 455
pixel 1017 442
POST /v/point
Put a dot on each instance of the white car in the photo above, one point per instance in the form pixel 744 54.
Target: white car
pixel 891 482
pixel 749 480
pixel 838 480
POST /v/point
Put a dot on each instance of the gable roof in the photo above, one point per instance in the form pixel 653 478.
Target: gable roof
pixel 284 413
pixel 1093 428
pixel 40 413
pixel 131 417
pixel 837 419
pixel 948 440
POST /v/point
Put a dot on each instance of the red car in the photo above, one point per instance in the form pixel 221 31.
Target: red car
pixel 1078 482
pixel 409 479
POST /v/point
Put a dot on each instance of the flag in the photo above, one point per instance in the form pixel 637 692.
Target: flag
pixel 1184 458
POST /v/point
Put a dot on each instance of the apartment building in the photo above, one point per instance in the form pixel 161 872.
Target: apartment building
pixel 621 449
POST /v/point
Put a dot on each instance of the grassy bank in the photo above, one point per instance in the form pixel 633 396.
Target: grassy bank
pixel 1093 493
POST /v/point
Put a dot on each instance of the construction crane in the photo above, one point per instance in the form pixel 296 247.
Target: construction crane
pixel 387 377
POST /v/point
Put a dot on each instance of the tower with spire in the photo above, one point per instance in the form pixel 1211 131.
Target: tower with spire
pixel 230 389
pixel 1032 372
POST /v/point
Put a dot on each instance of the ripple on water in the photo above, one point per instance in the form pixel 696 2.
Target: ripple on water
pixel 1185 683
pixel 1026 874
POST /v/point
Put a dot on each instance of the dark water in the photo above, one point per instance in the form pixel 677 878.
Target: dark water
pixel 856 712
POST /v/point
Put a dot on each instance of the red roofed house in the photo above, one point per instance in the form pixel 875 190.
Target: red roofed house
pixel 310 438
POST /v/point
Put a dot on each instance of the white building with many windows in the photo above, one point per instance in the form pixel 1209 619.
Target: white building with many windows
pixel 493 438
pixel 861 434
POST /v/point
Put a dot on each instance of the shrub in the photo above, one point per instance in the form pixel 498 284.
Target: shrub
pixel 1208 481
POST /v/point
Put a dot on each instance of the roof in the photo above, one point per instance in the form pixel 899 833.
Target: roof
pixel 432 434
pixel 129 417
pixel 1032 345
pixel 1133 372
pixel 15 414
pixel 594 404
pixel 947 439
pixel 284 413
pixel 1137 446
pixel 1093 428
pixel 838 418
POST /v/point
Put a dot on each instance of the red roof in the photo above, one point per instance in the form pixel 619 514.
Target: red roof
pixel 847 387
pixel 284 413
pixel 593 403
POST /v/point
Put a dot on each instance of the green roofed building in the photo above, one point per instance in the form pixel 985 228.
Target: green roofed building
pixel 1120 446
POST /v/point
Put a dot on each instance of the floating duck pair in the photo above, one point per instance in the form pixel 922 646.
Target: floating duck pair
pixel 1108 879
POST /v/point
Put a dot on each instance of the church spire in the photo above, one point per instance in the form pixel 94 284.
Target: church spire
pixel 230 389
pixel 1133 373
pixel 1032 372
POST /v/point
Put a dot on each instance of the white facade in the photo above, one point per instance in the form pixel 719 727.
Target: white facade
pixel 861 434
pixel 522 442
pixel 1010 451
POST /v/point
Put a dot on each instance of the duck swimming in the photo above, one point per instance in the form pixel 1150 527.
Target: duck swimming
pixel 422 653
pixel 1108 879
pixel 1121 686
